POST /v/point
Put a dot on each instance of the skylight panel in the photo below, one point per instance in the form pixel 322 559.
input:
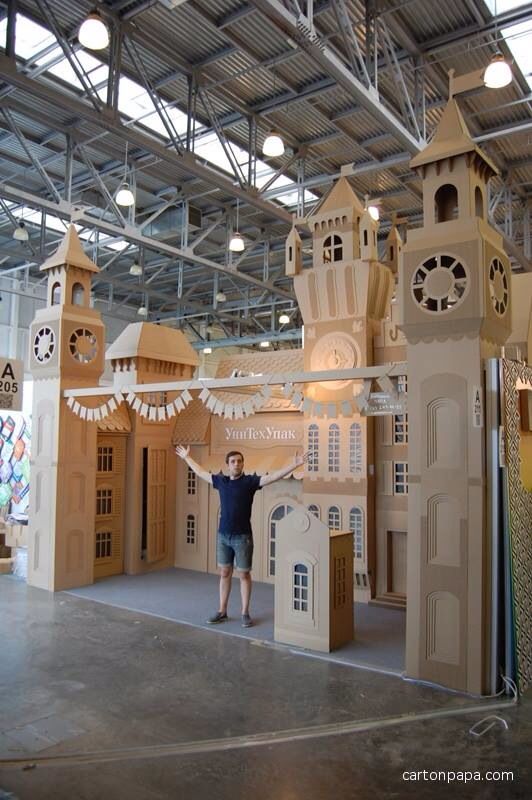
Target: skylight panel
pixel 519 40
pixel 30 38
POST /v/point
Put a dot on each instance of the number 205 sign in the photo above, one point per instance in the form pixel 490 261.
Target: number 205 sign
pixel 11 383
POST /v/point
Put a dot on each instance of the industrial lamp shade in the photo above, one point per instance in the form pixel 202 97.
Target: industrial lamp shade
pixel 221 297
pixel 124 195
pixel 374 212
pixel 284 319
pixel 142 311
pixel 93 33
pixel 264 343
pixel 207 350
pixel 21 233
pixel 236 245
pixel 135 269
pixel 273 145
pixel 498 72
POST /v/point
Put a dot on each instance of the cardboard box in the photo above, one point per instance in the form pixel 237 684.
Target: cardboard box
pixel 16 535
pixel 5 566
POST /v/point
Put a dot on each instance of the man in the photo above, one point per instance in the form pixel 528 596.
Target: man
pixel 234 545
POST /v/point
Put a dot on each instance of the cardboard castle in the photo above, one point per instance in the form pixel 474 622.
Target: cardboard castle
pixel 109 495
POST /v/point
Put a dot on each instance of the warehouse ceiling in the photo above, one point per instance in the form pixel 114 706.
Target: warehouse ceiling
pixel 179 105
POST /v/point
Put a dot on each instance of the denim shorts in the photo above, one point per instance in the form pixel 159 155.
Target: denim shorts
pixel 234 548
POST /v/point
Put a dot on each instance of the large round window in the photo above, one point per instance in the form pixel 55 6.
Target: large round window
pixel 498 287
pixel 44 345
pixel 440 284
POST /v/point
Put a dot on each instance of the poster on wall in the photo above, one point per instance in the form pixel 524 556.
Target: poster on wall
pixel 15 437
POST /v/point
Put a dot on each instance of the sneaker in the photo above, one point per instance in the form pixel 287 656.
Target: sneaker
pixel 220 616
pixel 247 622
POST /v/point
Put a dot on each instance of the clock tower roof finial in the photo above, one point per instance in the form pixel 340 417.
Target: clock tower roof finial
pixel 452 138
pixel 70 252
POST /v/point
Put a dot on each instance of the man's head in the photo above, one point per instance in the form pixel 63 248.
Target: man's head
pixel 235 462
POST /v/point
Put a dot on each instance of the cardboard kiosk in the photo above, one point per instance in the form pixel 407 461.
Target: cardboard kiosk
pixel 313 583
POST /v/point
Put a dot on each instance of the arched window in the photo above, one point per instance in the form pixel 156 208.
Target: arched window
pixel 191 529
pixel 356 525
pixel 78 294
pixel 479 202
pixel 334 519
pixel 334 448
pixel 300 588
pixel 355 448
pixel 313 447
pixel 56 294
pixel 446 203
pixel 314 510
pixel 333 249
pixel 277 514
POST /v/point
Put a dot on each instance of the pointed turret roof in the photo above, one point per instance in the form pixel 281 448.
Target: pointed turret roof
pixel 341 195
pixel 70 252
pixel 452 138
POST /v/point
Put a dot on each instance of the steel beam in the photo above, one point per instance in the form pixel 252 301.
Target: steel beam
pixel 188 162
pixel 323 55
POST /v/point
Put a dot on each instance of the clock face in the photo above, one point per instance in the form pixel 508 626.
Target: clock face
pixel 83 345
pixel 334 351
pixel 498 287
pixel 439 284
pixel 44 345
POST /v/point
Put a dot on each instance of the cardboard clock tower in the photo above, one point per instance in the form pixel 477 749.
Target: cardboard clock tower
pixel 66 351
pixel 456 306
pixel 342 298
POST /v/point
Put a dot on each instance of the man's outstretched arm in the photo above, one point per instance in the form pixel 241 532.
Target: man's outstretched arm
pixel 298 461
pixel 184 453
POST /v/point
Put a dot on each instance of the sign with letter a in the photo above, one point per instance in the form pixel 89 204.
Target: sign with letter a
pixel 11 383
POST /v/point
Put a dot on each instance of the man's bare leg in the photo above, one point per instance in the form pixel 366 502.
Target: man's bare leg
pixel 226 574
pixel 245 590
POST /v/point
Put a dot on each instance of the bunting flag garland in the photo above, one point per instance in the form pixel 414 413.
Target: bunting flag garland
pixel 216 405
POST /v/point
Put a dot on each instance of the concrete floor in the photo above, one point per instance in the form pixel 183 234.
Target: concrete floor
pixel 97 702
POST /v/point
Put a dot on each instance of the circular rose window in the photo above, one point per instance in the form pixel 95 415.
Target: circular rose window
pixel 440 284
pixel 498 287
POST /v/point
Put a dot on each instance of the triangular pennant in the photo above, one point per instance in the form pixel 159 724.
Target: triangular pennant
pixel 170 410
pixel 144 409
pixel 137 403
pixel 90 414
pixel 161 413
pixel 152 413
pixel 179 404
pixel 97 414
pixel 219 407
pixel 297 398
pixel 239 411
pixel 204 395
pixel 211 401
pixel 130 397
pixel 71 401
pixel 112 405
pixel 332 411
pixel 248 407
pixel 186 396
pixel 83 412
pixel 76 409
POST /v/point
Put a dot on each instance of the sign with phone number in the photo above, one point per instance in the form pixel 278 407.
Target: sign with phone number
pixel 11 384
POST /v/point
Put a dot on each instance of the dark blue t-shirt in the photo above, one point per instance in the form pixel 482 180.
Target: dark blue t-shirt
pixel 236 499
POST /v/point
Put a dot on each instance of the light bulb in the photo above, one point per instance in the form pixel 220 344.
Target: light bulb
pixel 374 212
pixel 142 311
pixel 284 319
pixel 135 269
pixel 236 245
pixel 207 350
pixel 498 72
pixel 264 344
pixel 273 145
pixel 21 232
pixel 124 195
pixel 93 33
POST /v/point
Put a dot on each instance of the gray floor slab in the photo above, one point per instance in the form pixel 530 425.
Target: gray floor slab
pixel 191 597
pixel 168 702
